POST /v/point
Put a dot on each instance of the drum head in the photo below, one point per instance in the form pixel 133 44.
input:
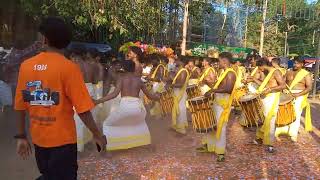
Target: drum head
pixel 192 86
pixel 248 97
pixel 285 98
pixel 198 100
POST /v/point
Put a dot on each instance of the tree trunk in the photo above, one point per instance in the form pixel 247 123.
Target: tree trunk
pixel 316 71
pixel 185 28
pixel 265 6
pixel 246 29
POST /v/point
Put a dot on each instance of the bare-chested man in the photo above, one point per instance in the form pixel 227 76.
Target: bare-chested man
pixel 179 84
pixel 299 82
pixel 208 77
pixel 254 73
pixel 270 88
pixel 126 127
pixel 223 92
pixel 194 71
pixel 88 71
pixel 135 54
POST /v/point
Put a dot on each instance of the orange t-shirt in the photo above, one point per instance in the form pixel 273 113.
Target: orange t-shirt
pixel 49 86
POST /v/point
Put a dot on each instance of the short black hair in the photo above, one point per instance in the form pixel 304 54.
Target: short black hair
pixel 226 55
pixel 137 51
pixel 263 62
pixel 276 60
pixel 56 31
pixel 298 59
pixel 209 60
pixel 128 65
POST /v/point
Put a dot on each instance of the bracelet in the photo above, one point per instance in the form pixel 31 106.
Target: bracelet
pixel 20 136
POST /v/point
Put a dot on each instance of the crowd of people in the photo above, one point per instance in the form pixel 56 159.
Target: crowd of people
pixel 72 99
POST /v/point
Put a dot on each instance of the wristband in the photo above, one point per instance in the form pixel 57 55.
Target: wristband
pixel 20 136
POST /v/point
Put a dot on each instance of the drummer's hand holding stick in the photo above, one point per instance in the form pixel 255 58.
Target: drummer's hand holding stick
pixel 209 93
pixel 288 90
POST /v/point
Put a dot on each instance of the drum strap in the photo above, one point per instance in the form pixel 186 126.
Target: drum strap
pixel 254 71
pixel 305 103
pixel 266 80
pixel 194 68
pixel 225 103
pixel 156 71
pixel 206 72
pixel 283 71
pixel 177 98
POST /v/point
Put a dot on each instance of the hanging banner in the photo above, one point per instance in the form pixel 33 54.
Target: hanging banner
pixel 213 51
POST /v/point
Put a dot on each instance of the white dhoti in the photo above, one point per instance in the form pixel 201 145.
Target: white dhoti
pixel 126 126
pixel 112 104
pixel 270 109
pixel 101 112
pixel 181 122
pixel 215 145
pixel 292 129
pixel 83 133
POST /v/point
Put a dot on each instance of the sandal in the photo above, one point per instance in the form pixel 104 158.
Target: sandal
pixel 270 149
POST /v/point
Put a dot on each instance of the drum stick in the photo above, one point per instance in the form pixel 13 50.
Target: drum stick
pixel 289 90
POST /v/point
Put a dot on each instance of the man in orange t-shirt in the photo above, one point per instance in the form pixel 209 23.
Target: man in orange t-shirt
pixel 49 86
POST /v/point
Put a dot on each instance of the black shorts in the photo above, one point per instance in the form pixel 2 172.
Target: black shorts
pixel 57 163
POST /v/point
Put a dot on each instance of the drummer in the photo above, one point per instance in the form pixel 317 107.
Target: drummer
pixel 223 93
pixel 179 84
pixel 194 71
pixel 158 72
pixel 208 77
pixel 252 86
pixel 300 84
pixel 270 89
pixel 254 73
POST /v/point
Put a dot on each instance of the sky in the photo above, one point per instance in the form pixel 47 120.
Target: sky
pixel 311 1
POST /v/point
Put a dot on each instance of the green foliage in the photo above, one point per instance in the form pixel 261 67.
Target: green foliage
pixel 149 20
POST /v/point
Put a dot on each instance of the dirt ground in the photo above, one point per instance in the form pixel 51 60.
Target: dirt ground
pixel 174 157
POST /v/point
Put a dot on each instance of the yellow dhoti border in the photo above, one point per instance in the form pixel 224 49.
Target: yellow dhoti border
pixel 179 110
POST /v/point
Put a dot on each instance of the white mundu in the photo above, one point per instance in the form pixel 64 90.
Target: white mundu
pixel 126 126
pixel 213 143
pixel 270 108
pixel 83 133
pixel 181 122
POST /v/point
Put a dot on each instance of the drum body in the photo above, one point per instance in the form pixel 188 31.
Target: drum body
pixel 146 100
pixel 241 91
pixel 193 91
pixel 166 101
pixel 286 114
pixel 203 118
pixel 251 106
